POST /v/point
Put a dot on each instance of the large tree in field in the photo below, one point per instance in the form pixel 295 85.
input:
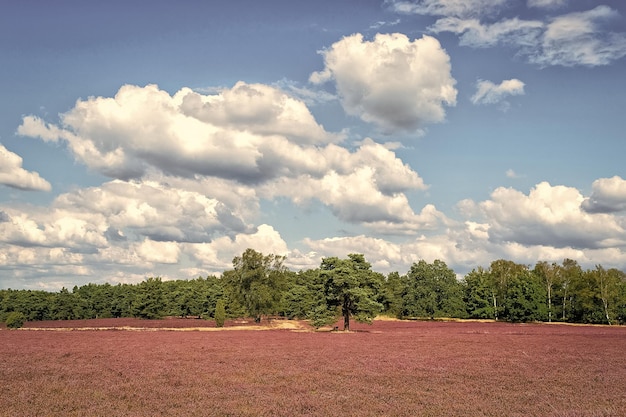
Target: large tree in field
pixel 257 282
pixel 350 289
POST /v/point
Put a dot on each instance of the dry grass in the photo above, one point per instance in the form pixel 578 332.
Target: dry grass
pixel 392 368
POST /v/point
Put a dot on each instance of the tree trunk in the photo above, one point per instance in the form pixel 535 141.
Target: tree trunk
pixel 345 310
pixel 550 303
pixel 606 310
pixel 495 306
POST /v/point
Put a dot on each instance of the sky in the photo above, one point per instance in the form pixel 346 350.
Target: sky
pixel 162 139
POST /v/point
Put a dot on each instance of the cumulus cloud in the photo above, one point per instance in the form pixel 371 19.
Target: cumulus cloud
pixel 489 93
pixel 608 196
pixel 572 39
pixel 188 174
pixel 233 135
pixel 365 186
pixel 550 216
pixel 252 139
pixel 456 8
pixel 391 81
pixel 156 210
pixel 13 175
pixel 545 224
pixel 53 229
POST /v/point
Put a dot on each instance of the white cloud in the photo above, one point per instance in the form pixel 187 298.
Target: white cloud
pixel 247 142
pixel 366 186
pixel 400 85
pixel 490 93
pixel 159 252
pixel 156 210
pixel 143 129
pixel 473 33
pixel 549 216
pixel 568 40
pixel 257 108
pixel 13 175
pixel 608 196
pixel 457 8
pixel 578 39
pixel 53 229
pixel 217 255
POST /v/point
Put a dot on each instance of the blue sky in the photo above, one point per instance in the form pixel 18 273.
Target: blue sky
pixel 162 139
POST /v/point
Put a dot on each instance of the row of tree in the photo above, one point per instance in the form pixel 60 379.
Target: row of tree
pixel 260 285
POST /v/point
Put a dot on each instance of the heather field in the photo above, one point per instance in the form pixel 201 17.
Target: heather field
pixel 128 367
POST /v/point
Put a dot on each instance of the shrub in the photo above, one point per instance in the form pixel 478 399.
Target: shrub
pixel 220 313
pixel 15 320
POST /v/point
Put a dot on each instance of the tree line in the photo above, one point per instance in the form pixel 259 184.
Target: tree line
pixel 260 286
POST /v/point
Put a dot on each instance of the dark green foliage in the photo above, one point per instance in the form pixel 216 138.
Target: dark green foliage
pixel 149 300
pixel 393 293
pixel 525 298
pixel 257 283
pixel 432 290
pixel 479 294
pixel 15 320
pixel 220 313
pixel 350 289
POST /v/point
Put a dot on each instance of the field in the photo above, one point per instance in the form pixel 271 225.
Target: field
pixel 120 367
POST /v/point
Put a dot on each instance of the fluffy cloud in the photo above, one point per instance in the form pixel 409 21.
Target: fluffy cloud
pixel 400 85
pixel 234 135
pixel 457 8
pixel 490 93
pixel 156 210
pixel 549 216
pixel 608 196
pixel 251 140
pixel 545 224
pixel 568 40
pixel 366 186
pixel 13 175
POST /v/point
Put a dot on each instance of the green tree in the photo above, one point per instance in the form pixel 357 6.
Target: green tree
pixel 302 295
pixel 351 289
pixel 570 276
pixel 149 301
pixel 525 297
pixel 608 286
pixel 393 293
pixel 479 293
pixel 433 291
pixel 64 305
pixel 15 320
pixel 549 275
pixel 220 313
pixel 257 282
